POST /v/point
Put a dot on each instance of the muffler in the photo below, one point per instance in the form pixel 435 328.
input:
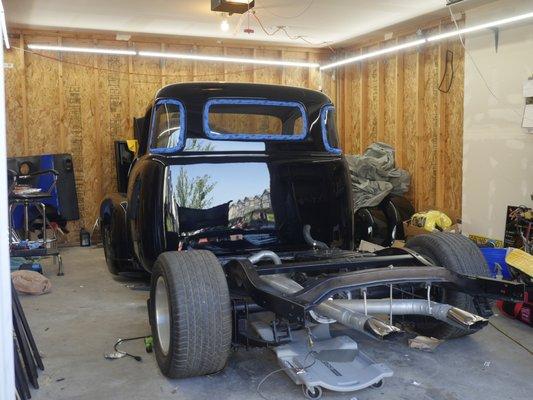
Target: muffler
pixel 443 312
pixel 349 318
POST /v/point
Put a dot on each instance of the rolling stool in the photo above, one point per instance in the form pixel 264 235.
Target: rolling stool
pixel 22 194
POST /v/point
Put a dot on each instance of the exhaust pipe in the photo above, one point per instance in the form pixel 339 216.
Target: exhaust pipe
pixel 466 319
pixel 354 313
pixel 349 318
pixel 357 320
pixel 443 312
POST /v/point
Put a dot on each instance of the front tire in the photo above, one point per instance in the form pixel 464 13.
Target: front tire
pixel 456 253
pixel 190 314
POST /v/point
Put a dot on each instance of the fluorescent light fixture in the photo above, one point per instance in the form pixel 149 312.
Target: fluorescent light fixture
pixel 200 57
pixel 81 49
pixel 4 27
pixel 475 28
pixel 376 53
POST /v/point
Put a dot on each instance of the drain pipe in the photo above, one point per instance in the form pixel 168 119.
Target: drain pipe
pixel 349 318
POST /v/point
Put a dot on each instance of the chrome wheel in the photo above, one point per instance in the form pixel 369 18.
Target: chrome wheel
pixel 162 315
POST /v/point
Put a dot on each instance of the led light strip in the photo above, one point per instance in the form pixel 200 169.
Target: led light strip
pixel 4 27
pixel 94 50
pixel 486 25
pixel 175 56
pixel 228 59
pixel 374 54
pixel 433 38
pixel 282 63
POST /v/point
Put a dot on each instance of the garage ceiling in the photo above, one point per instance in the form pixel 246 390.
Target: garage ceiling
pixel 317 21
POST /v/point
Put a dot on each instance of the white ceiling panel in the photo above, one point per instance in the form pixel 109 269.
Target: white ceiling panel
pixel 318 21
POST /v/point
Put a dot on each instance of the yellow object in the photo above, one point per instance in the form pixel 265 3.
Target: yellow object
pixel 133 145
pixel 483 241
pixel 431 220
pixel 520 260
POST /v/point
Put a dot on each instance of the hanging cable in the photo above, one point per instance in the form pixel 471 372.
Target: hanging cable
pixel 476 67
pixel 284 30
pixel 293 16
pixel 449 63
pixel 60 60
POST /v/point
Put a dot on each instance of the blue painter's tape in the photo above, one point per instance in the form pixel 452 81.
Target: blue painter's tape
pixel 214 135
pixel 323 122
pixel 183 128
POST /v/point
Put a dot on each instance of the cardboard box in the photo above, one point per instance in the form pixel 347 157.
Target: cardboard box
pixel 411 230
pixel 398 244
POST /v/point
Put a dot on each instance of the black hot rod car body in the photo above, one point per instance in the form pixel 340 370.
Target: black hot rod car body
pixel 239 205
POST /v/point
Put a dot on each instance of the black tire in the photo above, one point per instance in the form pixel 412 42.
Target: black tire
pixel 106 242
pixel 456 253
pixel 199 314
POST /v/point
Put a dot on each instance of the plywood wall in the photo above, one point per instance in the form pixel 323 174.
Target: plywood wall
pixel 81 103
pixel 395 99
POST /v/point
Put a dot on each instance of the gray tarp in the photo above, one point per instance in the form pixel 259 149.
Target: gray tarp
pixel 374 175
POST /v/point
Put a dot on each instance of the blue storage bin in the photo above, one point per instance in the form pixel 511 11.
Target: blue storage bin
pixel 496 256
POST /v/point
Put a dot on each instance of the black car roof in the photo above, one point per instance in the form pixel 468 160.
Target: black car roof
pixel 195 94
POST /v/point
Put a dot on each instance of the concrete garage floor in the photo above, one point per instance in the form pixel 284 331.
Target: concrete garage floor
pixel 88 310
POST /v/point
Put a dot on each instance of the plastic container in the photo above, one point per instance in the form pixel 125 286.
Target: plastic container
pixel 85 238
pixel 495 256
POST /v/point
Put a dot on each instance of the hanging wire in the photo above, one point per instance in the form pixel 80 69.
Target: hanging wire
pixel 93 67
pixel 285 31
pixel 476 67
pixel 292 16
pixel 449 63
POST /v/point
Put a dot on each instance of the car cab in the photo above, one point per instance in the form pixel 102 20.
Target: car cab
pixel 232 168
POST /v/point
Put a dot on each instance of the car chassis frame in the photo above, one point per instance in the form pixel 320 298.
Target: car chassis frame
pixel 403 266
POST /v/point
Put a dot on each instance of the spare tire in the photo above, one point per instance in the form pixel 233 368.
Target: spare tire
pixel 456 253
pixel 190 314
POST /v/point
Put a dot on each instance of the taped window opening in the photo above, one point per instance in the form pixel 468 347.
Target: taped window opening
pixel 254 120
pixel 329 129
pixel 167 127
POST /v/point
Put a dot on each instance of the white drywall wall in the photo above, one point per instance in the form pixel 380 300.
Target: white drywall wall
pixel 498 153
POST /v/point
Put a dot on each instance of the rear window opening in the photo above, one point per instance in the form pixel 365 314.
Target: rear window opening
pixel 254 120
